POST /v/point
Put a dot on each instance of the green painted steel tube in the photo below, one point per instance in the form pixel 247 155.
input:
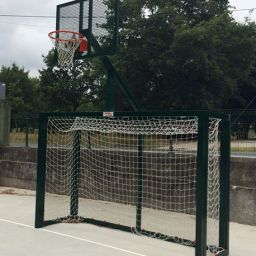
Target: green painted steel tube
pixel 110 68
pixel 26 132
pixel 224 184
pixel 90 24
pixel 75 174
pixel 110 93
pixel 41 172
pixel 122 85
pixel 117 18
pixel 162 114
pixel 201 185
pixel 139 182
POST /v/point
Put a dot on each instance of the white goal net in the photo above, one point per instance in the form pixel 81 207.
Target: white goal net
pixel 132 171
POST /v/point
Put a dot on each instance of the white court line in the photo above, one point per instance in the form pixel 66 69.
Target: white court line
pixel 73 237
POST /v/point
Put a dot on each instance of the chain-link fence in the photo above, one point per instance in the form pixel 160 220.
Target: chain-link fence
pixel 24 131
pixel 243 131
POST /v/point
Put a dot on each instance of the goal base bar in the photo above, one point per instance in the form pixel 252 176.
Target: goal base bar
pixel 160 236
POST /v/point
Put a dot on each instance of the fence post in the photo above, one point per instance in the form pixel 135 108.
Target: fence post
pixel 41 171
pixel 224 184
pixel 75 174
pixel 139 182
pixel 202 185
pixel 26 130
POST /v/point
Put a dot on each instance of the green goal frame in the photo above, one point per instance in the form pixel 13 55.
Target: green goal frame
pixel 201 180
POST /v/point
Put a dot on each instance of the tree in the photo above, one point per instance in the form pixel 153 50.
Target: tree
pixel 173 55
pixel 244 96
pixel 21 90
pixel 67 89
pixel 196 11
pixel 210 59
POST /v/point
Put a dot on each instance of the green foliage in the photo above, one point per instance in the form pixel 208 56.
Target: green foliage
pixel 173 54
pixel 210 59
pixel 68 89
pixel 183 54
pixel 196 11
pixel 21 90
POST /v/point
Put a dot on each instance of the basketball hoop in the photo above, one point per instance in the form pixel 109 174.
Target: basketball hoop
pixel 66 43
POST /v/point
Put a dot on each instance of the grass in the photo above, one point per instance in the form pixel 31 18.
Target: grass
pixel 248 149
pixel 96 139
pixel 20 138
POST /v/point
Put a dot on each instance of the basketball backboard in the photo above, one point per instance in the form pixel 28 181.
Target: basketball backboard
pixel 97 20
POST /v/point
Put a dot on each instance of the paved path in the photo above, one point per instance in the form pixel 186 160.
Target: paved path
pixel 19 238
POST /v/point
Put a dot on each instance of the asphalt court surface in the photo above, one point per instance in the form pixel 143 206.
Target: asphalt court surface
pixel 19 238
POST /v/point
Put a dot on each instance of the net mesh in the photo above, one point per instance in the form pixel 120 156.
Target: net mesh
pixel 66 43
pixel 100 23
pixel 110 154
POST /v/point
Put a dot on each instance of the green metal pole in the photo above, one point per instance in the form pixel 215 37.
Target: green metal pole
pixel 75 174
pixel 224 184
pixel 120 82
pixel 117 16
pixel 116 77
pixel 139 182
pixel 89 36
pixel 41 171
pixel 201 185
pixel 110 93
pixel 26 131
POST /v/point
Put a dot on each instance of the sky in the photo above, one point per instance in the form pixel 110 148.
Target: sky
pixel 241 5
pixel 24 40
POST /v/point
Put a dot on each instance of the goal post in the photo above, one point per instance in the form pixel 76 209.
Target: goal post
pixel 160 174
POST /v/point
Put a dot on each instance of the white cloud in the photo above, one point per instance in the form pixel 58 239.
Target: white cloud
pixel 25 40
pixel 243 14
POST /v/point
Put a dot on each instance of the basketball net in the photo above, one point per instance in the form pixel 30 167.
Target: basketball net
pixel 66 43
